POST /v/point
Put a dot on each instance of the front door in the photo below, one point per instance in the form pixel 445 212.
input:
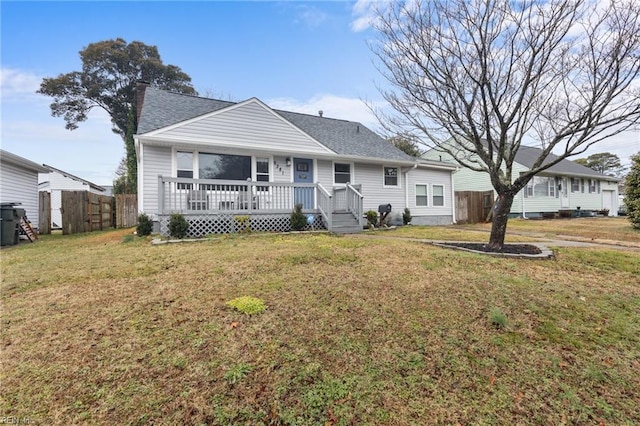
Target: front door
pixel 564 193
pixel 303 173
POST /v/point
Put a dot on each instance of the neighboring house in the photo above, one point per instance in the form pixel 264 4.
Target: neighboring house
pixel 214 160
pixel 55 181
pixel 19 183
pixel 564 186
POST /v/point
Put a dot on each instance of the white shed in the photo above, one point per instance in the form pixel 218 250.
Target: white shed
pixel 19 183
pixel 55 181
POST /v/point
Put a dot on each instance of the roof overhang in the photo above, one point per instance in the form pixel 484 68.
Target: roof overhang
pixel 579 175
pixel 16 160
pixel 195 145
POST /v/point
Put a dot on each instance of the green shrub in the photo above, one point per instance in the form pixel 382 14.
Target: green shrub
pixel 632 192
pixel 372 217
pixel 406 216
pixel 247 305
pixel 178 226
pixel 145 225
pixel 298 219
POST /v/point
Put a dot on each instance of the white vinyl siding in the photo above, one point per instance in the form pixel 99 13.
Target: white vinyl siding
pixel 280 171
pixel 156 161
pixel 368 176
pixel 431 178
pixel 324 173
pixel 18 185
pixel 247 126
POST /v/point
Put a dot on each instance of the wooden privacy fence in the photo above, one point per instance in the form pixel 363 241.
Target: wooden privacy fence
pixel 473 207
pixel 126 210
pixel 44 212
pixel 83 211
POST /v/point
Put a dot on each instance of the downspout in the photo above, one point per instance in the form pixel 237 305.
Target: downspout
pixel 524 214
pixel 140 174
pixel 406 184
pixel 453 196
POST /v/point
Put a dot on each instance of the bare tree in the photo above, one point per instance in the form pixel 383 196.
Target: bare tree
pixel 476 79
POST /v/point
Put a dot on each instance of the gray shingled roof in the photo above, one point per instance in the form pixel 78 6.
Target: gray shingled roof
pixel 162 108
pixel 527 155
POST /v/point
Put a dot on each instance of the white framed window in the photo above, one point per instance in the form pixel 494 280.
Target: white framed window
pixel 575 185
pixel 262 172
pixel 342 172
pixel 528 190
pixel 422 195
pixel 437 194
pixel 543 186
pixel 390 177
pixel 184 168
pixel 594 186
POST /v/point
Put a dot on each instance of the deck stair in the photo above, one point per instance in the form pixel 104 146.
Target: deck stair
pixel 27 229
pixel 344 223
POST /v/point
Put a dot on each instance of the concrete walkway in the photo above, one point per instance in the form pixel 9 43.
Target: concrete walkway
pixel 560 241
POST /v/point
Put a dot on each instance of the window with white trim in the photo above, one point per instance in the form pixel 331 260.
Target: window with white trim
pixel 437 193
pixel 575 185
pixel 422 197
pixel 262 172
pixel 528 190
pixel 184 168
pixel 391 176
pixel 341 172
pixel 543 186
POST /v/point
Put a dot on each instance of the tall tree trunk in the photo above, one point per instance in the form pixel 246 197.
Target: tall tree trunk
pixel 501 210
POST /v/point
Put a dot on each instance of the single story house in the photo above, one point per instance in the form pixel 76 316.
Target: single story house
pixel 19 183
pixel 55 181
pixel 562 187
pixel 214 160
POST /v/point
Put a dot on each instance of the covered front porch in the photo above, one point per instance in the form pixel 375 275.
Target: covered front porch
pixel 213 206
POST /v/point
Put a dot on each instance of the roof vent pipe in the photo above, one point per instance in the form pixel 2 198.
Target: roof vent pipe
pixel 320 113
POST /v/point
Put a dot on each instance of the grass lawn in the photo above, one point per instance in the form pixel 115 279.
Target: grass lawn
pixel 103 328
pixel 605 229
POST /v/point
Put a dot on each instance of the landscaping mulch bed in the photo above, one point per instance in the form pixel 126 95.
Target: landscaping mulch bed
pixel 507 248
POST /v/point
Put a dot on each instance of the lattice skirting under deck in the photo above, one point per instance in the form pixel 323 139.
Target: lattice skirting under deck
pixel 200 225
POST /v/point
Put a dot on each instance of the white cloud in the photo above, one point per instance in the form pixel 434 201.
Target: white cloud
pixel 333 106
pixel 16 85
pixel 365 13
pixel 92 151
pixel 311 16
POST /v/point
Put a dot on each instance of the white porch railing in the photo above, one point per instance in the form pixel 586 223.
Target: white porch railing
pixel 185 195
pixel 355 202
pixel 325 205
pixel 349 199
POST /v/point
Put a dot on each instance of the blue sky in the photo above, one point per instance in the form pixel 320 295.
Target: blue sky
pixel 298 56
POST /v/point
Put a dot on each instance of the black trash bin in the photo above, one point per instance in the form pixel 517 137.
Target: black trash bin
pixel 9 224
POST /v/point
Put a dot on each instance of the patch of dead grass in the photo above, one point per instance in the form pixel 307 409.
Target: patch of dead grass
pixel 357 332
